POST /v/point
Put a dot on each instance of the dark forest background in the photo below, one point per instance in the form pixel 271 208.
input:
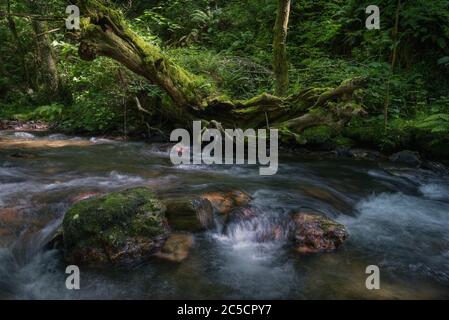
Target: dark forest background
pixel 229 43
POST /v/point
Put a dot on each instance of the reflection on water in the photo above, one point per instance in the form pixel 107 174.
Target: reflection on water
pixel 397 219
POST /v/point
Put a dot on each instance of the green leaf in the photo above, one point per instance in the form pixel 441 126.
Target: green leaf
pixel 444 60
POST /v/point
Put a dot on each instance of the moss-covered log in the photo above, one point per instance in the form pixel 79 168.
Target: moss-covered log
pixel 105 32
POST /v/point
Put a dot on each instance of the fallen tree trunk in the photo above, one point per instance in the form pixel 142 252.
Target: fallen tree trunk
pixel 105 32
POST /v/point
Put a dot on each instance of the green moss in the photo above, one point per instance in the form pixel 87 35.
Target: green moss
pixel 182 215
pixel 343 141
pixel 110 219
pixel 317 135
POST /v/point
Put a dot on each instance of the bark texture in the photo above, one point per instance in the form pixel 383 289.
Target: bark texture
pixel 46 61
pixel 280 61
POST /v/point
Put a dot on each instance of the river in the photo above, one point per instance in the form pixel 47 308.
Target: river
pixel 397 218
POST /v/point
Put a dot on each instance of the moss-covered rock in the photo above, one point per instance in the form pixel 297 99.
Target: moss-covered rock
pixel 192 215
pixel 120 227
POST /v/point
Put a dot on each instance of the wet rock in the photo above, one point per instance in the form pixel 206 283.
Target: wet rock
pixel 436 167
pixel 315 233
pixel 224 202
pixel 11 224
pixel 190 215
pixel 121 227
pixel 84 196
pixel 6 237
pixel 275 232
pixel 176 248
pixel 344 152
pixel 23 126
pixel 56 241
pixel 407 157
pixel 241 214
pixel 261 227
pixel 22 155
pixel 11 217
pixel 365 154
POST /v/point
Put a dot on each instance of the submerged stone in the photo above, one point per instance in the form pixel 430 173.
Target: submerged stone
pixel 121 227
pixel 176 248
pixel 315 233
pixel 407 157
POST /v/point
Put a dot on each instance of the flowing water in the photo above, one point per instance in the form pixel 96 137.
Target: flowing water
pixel 398 219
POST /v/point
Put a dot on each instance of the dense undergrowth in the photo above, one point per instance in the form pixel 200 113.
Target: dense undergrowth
pixel 228 43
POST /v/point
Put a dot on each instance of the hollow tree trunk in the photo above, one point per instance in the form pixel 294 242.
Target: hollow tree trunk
pixel 105 32
pixel 280 63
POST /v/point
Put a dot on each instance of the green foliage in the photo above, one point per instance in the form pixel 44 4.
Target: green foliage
pixel 228 43
pixel 232 75
pixel 50 113
pixel 436 123
pixel 317 135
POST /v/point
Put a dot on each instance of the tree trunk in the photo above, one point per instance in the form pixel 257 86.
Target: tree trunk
pixel 280 62
pixel 20 47
pixel 105 32
pixel 49 77
pixel 394 57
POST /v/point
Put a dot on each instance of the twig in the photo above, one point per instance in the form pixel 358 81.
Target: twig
pixel 139 106
pixel 47 32
pixel 4 14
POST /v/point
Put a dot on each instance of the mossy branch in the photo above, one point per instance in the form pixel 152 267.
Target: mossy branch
pixel 105 32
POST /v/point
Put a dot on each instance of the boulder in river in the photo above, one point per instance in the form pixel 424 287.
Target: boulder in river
pixel 315 233
pixel 84 196
pixel 121 227
pixel 191 215
pixel 224 202
pixel 407 157
pixel 176 248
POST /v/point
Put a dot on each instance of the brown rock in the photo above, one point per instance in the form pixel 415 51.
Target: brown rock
pixel 84 196
pixel 6 237
pixel 11 217
pixel 224 202
pixel 316 233
pixel 176 248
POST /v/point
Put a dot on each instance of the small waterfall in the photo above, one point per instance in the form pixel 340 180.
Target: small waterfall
pixel 25 267
pixel 251 225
